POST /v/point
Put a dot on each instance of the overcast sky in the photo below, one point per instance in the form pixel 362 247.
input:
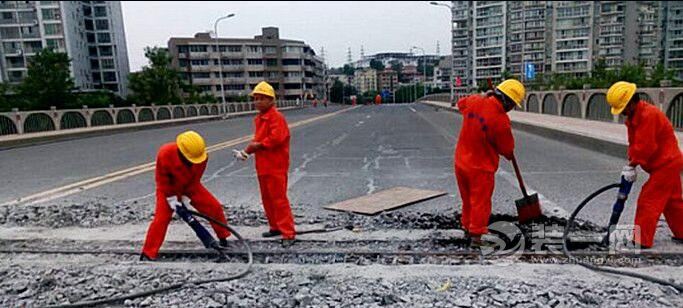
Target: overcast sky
pixel 378 26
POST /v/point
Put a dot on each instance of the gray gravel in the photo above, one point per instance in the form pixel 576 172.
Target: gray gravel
pixel 32 286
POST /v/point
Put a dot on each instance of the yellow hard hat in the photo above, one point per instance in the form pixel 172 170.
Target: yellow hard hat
pixel 619 94
pixel 263 88
pixel 192 146
pixel 514 90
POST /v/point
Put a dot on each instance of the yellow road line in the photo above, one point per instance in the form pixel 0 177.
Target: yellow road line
pixel 97 181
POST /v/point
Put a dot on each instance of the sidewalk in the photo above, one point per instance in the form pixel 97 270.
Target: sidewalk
pixel 608 138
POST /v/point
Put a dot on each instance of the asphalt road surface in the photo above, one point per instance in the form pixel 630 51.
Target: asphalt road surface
pixel 351 154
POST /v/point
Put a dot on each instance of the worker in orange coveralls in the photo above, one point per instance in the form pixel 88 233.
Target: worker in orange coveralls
pixel 271 148
pixel 485 134
pixel 378 100
pixel 652 146
pixel 179 169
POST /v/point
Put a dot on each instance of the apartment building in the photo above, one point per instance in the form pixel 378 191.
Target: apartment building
pixel 528 37
pixel 462 51
pixel 365 80
pixel 563 37
pixel 673 36
pixel 90 32
pixel 290 66
pixel 387 80
pixel 489 39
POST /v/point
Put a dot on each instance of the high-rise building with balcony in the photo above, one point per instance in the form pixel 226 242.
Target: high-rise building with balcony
pixel 91 33
pixel 462 44
pixel 673 36
pixel 290 66
pixel 489 39
pixel 528 36
pixel 649 33
pixel 629 32
pixel 573 37
pixel 563 37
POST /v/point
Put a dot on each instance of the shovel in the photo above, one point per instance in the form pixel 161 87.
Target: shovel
pixel 528 208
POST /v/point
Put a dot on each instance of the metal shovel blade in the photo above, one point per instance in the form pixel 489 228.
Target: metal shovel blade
pixel 528 208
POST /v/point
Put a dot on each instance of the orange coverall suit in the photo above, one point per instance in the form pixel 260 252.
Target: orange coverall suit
pixel 174 178
pixel 378 100
pixel 272 165
pixel 485 134
pixel 653 146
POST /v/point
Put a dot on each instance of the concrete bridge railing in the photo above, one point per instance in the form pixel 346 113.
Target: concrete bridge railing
pixel 591 104
pixel 24 122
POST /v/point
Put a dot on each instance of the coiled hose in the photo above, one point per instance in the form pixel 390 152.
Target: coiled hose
pixel 119 299
pixel 566 252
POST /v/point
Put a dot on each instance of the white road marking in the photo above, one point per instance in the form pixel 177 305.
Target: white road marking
pixel 94 182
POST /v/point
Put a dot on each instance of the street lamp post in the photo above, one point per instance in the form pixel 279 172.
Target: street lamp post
pixel 220 60
pixel 424 70
pixel 451 77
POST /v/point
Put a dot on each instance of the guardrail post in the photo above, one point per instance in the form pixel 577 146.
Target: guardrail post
pixel 54 115
pixel 135 112
pixel 18 120
pixel 154 111
pixel 86 114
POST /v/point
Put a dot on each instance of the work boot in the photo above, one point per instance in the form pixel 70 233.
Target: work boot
pixel 677 240
pixel 637 245
pixel 271 233
pixel 286 243
pixel 144 257
pixel 223 242
pixel 475 241
pixel 468 238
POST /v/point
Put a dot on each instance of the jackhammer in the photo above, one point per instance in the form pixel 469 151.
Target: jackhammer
pixel 203 234
pixel 617 208
pixel 624 189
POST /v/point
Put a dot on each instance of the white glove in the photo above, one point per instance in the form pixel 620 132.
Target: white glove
pixel 173 202
pixel 186 200
pixel 240 154
pixel 629 173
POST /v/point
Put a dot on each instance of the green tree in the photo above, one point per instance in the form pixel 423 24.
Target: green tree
pixel 376 65
pixel 195 96
pixel 601 77
pixel 157 82
pixel 337 92
pixel 660 73
pixel 97 99
pixel 48 82
pixel 398 68
pixel 482 86
pixel 505 74
pixel 5 98
pixel 430 70
pixel 632 73
pixel 348 70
